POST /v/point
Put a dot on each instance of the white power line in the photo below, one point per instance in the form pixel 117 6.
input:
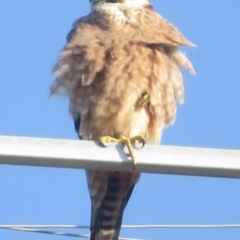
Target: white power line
pixel 89 155
pixel 34 230
pixel 38 228
pixel 141 226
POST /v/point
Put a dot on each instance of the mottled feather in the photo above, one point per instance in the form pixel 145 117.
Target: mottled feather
pixel 116 54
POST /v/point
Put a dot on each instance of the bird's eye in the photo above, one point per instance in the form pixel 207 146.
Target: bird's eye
pixel 112 1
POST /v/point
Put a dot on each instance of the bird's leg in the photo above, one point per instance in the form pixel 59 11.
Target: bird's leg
pixel 127 141
pixel 144 100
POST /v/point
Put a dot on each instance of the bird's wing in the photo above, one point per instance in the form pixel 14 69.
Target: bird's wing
pixel 77 61
pixel 161 30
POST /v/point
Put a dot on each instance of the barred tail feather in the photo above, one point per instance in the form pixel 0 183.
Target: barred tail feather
pixel 106 220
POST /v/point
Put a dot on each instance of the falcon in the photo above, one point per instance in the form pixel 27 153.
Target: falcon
pixel 120 68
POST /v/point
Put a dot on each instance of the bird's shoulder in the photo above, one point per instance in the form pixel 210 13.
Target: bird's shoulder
pixel 82 24
pixel 144 26
pixel 154 28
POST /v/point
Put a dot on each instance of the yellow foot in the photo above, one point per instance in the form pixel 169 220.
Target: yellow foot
pixel 144 100
pixel 127 141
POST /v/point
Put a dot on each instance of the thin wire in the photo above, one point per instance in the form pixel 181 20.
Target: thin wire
pixel 31 229
pixel 45 232
pixel 177 226
pixel 45 226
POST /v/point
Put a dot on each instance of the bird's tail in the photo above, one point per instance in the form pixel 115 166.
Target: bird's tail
pixel 106 220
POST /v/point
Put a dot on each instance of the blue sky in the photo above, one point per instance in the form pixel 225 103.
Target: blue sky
pixel 32 34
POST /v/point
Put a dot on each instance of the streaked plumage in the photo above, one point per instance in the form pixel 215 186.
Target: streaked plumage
pixel 116 54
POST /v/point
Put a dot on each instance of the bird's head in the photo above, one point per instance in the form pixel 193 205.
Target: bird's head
pixel 120 3
pixel 115 13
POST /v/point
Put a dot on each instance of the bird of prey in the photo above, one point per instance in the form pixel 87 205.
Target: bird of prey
pixel 120 68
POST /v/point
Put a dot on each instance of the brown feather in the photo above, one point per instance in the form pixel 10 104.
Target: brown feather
pixel 113 57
